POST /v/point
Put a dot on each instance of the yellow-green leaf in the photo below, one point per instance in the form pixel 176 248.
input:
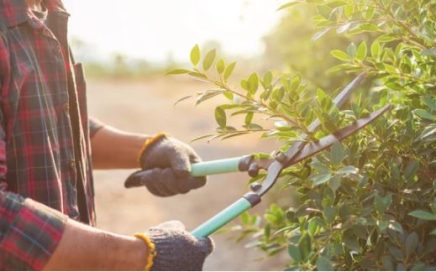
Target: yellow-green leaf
pixel 340 55
pixel 220 117
pixel 229 70
pixel 195 55
pixel 208 60
pixel 361 51
pixel 220 66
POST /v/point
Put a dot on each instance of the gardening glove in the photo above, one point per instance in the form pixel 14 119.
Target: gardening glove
pixel 177 249
pixel 166 164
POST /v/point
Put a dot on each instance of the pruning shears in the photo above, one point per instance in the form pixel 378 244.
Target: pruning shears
pixel 297 152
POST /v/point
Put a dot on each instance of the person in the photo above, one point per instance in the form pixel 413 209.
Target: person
pixel 48 148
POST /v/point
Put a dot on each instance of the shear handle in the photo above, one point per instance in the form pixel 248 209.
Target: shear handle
pixel 229 165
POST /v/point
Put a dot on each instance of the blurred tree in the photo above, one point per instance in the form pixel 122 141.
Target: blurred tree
pixel 291 46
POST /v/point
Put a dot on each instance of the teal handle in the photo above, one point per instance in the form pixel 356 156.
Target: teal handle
pixel 222 218
pixel 215 167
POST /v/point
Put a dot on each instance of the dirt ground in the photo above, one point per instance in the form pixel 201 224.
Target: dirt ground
pixel 146 106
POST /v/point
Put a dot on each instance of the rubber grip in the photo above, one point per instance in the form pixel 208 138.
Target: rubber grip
pixel 215 167
pixel 222 218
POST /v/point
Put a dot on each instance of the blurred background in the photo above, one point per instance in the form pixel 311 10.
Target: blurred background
pixel 127 46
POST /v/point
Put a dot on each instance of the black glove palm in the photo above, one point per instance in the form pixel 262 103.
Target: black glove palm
pixel 166 165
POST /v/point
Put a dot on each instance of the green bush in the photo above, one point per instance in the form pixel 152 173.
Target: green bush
pixel 368 203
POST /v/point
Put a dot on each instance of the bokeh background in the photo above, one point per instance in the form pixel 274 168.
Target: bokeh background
pixel 127 46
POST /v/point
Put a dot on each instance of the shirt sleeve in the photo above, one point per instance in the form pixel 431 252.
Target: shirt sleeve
pixel 29 231
pixel 94 126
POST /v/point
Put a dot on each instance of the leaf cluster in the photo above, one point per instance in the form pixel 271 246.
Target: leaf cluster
pixel 368 203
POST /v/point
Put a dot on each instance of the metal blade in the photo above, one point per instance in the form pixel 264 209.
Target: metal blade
pixel 339 101
pixel 312 148
pixel 275 167
pixel 341 98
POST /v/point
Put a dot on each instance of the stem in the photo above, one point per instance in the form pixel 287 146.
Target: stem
pixel 415 39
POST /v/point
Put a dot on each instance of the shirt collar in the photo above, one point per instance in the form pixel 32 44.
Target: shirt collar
pixel 15 12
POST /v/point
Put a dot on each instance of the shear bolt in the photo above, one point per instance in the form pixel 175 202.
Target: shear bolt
pixel 253 170
pixel 280 156
pixel 255 187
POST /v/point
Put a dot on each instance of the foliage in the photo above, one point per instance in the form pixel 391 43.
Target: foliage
pixel 292 46
pixel 368 203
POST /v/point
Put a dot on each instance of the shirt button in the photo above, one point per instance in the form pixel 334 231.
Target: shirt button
pixel 66 107
pixel 73 164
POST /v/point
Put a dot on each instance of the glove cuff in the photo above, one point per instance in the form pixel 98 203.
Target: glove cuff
pixel 165 255
pixel 151 250
pixel 146 146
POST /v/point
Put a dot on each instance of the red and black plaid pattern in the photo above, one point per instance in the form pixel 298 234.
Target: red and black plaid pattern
pixel 44 132
pixel 27 232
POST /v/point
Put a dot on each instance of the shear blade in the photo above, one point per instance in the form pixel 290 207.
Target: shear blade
pixel 313 148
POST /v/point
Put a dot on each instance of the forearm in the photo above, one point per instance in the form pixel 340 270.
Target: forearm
pixel 86 248
pixel 112 148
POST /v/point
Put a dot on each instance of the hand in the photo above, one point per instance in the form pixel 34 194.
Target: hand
pixel 166 165
pixel 177 249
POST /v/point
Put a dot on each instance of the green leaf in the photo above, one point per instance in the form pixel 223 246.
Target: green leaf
pixel 323 264
pixel 267 79
pixel 294 253
pixel 340 55
pixel 197 75
pixel 321 178
pixel 337 153
pixel 208 60
pixel 220 66
pixel 382 203
pixel 207 95
pixel 253 83
pixel 220 117
pixel 182 99
pixel 305 245
pixel 178 71
pixel 228 95
pixel 348 170
pixel 425 114
pixel 386 38
pixel 229 70
pixel 329 214
pixel 411 169
pixel 412 241
pixel 351 241
pixel 393 225
pixel 335 183
pixel 351 50
pixel 314 225
pixel 361 51
pixel 249 118
pixel 195 55
pixel 375 49
pixel 424 215
pixel 388 263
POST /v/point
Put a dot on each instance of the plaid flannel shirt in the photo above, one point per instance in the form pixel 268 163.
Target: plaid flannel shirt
pixel 44 135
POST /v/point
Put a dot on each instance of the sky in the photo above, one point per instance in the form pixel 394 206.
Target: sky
pixel 154 30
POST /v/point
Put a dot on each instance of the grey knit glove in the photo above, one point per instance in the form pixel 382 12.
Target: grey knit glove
pixel 177 249
pixel 166 164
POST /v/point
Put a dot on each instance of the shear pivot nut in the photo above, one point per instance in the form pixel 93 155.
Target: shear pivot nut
pixel 255 187
pixel 280 156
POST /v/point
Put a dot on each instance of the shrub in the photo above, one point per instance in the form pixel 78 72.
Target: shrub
pixel 369 203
